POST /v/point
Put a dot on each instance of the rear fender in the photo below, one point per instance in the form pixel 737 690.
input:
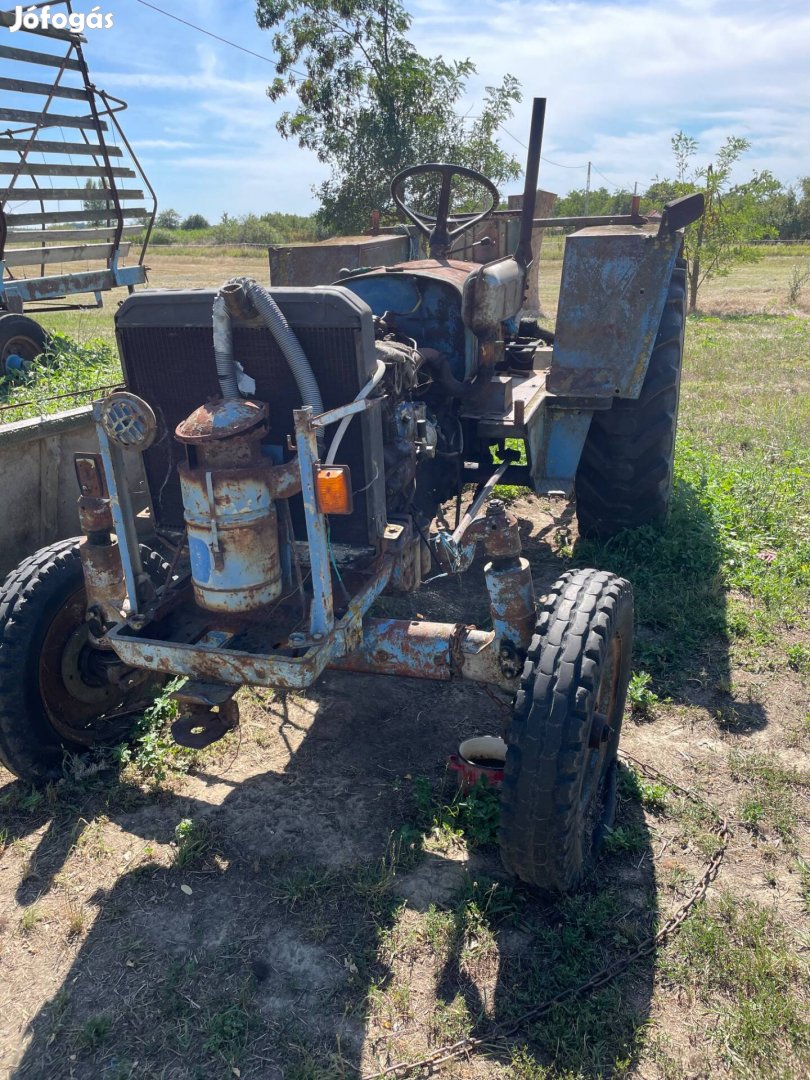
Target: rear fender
pixel 614 286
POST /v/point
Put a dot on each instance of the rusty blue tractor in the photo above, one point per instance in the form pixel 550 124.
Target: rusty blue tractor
pixel 297 445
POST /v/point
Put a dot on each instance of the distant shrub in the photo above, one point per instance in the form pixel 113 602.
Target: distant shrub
pixel 162 237
pixel 168 219
pixel 272 228
pixel 194 221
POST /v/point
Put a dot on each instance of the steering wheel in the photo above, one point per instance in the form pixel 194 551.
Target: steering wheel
pixel 439 237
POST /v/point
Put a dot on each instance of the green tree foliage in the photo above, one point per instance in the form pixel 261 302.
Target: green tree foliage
pixel 736 213
pixel 273 228
pixel 168 219
pixel 369 104
pixel 101 215
pixel 195 221
pixel 788 211
pixel 597 201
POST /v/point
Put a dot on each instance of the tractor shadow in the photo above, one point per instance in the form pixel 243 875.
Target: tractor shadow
pixel 684 628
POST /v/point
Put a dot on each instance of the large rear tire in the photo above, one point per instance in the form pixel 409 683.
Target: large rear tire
pixel 56 693
pixel 559 788
pixel 624 478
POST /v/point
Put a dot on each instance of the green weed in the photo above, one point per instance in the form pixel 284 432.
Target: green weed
pixel 93 1032
pixel 66 369
pixel 152 752
pixel 642 699
pixel 652 794
pixel 193 841
pixel 771 799
pixel 626 838
pixel 472 816
pixel 799 658
pixel 228 1031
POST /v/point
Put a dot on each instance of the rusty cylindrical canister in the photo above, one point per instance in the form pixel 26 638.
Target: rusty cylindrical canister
pixel 232 538
pixel 228 507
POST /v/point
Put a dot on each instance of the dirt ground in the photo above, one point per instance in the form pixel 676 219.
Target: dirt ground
pixel 301 941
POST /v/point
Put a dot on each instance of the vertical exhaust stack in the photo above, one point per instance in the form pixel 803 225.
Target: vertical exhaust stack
pixel 523 251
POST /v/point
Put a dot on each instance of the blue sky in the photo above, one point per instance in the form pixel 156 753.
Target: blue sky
pixel 620 80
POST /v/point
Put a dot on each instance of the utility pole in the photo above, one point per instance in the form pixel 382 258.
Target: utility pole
pixel 588 189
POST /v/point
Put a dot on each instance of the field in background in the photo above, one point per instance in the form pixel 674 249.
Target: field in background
pixel 309 899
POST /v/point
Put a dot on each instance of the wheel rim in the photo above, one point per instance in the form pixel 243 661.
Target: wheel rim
pixel 81 702
pixel 21 345
pixel 598 790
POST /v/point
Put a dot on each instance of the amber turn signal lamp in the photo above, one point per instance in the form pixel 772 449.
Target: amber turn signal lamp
pixel 333 489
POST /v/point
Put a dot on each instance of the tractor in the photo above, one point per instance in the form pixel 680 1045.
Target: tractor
pixel 277 459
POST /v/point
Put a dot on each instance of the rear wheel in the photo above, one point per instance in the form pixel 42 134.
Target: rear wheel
pixel 624 478
pixel 559 788
pixel 21 341
pixel 58 693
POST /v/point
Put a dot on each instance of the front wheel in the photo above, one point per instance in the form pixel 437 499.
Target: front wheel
pixel 59 694
pixel 559 788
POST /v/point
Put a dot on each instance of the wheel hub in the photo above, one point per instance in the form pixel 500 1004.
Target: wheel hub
pixel 88 694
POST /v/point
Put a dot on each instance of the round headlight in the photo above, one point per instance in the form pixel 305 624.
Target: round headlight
pixel 128 420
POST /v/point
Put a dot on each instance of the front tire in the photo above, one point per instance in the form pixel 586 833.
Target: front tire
pixel 56 697
pixel 624 478
pixel 559 788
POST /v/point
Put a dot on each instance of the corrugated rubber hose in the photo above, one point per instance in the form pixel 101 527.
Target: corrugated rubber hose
pixel 289 344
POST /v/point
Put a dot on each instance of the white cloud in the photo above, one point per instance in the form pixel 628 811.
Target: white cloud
pixel 622 78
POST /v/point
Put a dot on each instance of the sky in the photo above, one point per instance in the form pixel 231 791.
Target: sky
pixel 620 78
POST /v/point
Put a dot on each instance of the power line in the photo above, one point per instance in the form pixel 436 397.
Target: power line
pixel 613 184
pixel 216 37
pixel 548 161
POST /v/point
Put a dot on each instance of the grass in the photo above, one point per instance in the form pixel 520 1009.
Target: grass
pixel 193 841
pixel 731 569
pixel 738 960
pixel 58 379
pixel 771 793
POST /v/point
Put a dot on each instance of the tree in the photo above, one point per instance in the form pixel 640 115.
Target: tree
pixel 99 212
pixel 735 213
pixel 369 104
pixel 598 201
pixel 788 212
pixel 195 221
pixel 168 219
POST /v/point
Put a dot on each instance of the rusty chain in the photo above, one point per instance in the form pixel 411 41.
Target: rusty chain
pixel 611 971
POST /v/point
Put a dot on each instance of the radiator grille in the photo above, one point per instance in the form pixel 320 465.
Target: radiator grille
pixel 173 368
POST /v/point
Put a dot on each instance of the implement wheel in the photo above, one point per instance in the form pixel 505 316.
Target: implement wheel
pixel 559 789
pixel 58 693
pixel 21 342
pixel 624 478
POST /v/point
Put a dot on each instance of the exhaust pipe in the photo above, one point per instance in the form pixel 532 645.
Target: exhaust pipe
pixel 523 251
